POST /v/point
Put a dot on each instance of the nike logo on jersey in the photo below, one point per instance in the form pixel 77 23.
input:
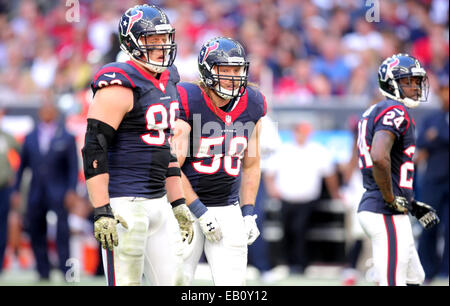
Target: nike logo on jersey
pixel 112 75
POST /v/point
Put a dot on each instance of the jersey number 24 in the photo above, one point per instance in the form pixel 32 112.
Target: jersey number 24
pixel 365 160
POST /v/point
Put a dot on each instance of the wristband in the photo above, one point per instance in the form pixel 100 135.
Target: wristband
pixel 248 210
pixel 197 208
pixel 103 211
pixel 173 171
pixel 178 202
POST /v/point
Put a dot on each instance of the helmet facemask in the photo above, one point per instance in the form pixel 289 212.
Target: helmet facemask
pixel 226 85
pixel 401 94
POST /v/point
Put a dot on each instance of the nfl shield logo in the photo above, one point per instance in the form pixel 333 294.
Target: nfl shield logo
pixel 228 119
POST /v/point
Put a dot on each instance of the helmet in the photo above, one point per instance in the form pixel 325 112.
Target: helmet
pixel 142 21
pixel 223 51
pixel 397 67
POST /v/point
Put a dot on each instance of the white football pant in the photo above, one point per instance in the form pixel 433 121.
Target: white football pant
pixel 151 246
pixel 394 254
pixel 227 258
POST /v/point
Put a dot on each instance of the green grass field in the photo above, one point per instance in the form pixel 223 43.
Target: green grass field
pixel 319 277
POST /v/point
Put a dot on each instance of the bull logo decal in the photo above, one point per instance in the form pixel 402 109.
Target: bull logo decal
pixel 205 52
pixel 128 22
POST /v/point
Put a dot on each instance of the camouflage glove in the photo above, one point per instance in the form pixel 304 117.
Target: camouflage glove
pixel 399 204
pixel 185 221
pixel 105 226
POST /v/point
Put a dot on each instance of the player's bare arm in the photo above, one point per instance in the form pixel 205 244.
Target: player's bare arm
pixel 180 145
pixel 180 142
pixel 380 153
pixel 174 189
pixel 107 110
pixel 251 171
pixel 208 222
pixel 109 105
pixel 251 174
pixel 176 198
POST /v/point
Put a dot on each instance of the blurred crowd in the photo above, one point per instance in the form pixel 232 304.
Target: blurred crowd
pixel 305 49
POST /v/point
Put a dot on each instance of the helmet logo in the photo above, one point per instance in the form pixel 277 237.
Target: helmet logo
pixel 387 66
pixel 394 63
pixel 204 53
pixel 128 24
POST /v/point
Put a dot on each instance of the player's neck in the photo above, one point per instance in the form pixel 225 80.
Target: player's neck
pixel 152 73
pixel 217 100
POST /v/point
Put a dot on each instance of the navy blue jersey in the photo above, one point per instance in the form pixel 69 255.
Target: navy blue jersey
pixel 394 117
pixel 139 156
pixel 218 141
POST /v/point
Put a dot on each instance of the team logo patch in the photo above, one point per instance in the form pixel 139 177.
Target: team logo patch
pixel 205 52
pixel 127 22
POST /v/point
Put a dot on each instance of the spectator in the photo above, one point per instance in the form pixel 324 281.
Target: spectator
pixel 294 176
pixel 44 66
pixel 433 142
pixel 7 144
pixel 299 84
pixel 49 151
pixel 332 65
pixel 258 252
pixel 352 191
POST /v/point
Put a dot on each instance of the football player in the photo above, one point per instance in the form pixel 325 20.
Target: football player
pixel 127 158
pixel 218 149
pixel 386 144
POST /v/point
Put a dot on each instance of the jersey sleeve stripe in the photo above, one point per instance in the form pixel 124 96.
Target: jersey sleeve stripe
pixel 184 100
pixel 113 69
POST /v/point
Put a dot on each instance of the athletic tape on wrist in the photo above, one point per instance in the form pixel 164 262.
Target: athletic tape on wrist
pixel 197 208
pixel 248 210
pixel 103 211
pixel 178 202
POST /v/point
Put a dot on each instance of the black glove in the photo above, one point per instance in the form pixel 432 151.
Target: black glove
pixel 399 204
pixel 424 213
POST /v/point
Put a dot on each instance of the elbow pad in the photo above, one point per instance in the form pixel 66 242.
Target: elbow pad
pixel 98 138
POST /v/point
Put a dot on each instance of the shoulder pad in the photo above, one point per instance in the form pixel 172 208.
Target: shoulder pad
pixel 257 105
pixel 187 93
pixel 112 74
pixel 174 75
